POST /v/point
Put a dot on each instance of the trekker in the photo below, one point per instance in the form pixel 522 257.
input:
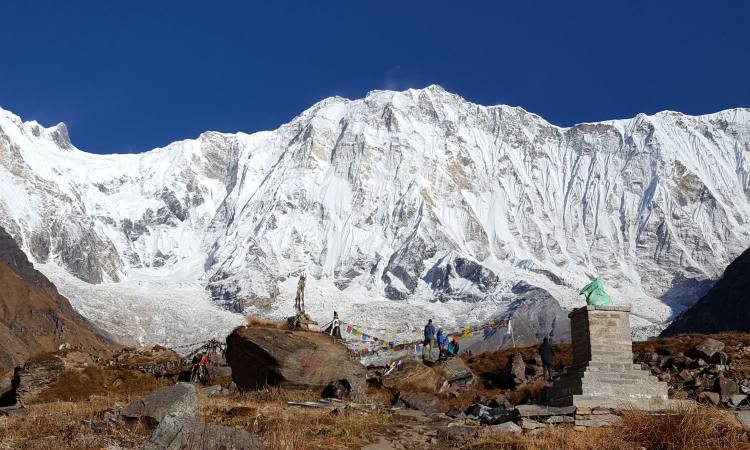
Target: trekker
pixel 442 344
pixel 453 347
pixel 429 336
pixel 336 326
pixel 547 352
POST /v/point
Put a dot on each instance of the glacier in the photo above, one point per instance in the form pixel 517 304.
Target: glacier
pixel 400 206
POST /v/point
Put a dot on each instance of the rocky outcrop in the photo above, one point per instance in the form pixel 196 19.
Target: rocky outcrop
pixel 261 357
pixel 726 307
pixel 46 371
pixel 34 317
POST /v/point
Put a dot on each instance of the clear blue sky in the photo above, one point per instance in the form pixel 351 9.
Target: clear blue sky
pixel 133 75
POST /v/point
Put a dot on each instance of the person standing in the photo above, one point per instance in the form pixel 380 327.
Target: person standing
pixel 547 352
pixel 336 326
pixel 429 336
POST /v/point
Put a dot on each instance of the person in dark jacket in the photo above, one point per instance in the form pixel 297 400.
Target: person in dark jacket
pixel 429 336
pixel 547 352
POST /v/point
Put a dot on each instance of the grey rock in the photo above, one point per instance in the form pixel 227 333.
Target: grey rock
pixel 456 372
pixel 518 368
pixel 529 424
pixel 506 427
pixel 743 417
pixel 178 433
pixel 179 401
pixel 458 432
pixel 727 388
pixel 709 347
pixel 544 411
pixel 427 403
pixel 15 410
pixel 737 399
pixel 212 391
pixel 709 397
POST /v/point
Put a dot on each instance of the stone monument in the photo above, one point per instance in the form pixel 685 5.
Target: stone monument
pixel 603 374
pixel 301 320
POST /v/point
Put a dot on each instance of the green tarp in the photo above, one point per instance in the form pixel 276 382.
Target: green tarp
pixel 595 295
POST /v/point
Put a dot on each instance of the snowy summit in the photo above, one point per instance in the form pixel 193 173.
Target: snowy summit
pixel 399 207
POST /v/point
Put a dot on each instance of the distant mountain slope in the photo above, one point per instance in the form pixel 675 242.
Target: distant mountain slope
pixel 726 307
pixel 399 206
pixel 34 317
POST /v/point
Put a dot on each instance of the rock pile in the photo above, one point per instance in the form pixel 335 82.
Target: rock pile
pixel 705 372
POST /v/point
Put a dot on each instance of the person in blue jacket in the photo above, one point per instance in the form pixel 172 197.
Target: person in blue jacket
pixel 429 336
pixel 442 343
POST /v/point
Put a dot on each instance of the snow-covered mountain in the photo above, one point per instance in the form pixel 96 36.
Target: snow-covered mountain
pixel 398 206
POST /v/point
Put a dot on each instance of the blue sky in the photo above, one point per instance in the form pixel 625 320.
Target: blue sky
pixel 133 75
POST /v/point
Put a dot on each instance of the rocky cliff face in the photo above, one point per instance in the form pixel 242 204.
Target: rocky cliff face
pixel 399 206
pixel 34 317
pixel 726 307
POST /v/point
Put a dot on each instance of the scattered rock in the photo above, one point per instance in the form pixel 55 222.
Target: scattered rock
pixel 737 399
pixel 213 391
pixel 458 432
pixel 529 424
pixel 544 411
pixel 506 427
pixel 178 401
pixel 15 410
pixel 709 347
pixel 709 397
pixel 743 417
pixel 427 403
pixel 727 388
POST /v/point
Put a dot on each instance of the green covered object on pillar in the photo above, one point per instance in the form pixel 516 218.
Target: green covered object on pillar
pixel 595 295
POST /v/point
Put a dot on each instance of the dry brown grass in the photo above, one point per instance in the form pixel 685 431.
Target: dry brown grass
pixel 75 386
pixel 68 425
pixel 694 428
pixel 282 428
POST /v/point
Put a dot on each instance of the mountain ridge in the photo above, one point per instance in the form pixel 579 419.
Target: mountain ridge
pixel 400 205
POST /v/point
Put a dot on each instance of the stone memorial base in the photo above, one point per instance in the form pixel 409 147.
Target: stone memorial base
pixel 302 322
pixel 603 374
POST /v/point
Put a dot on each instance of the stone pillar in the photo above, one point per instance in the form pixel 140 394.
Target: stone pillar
pixel 603 374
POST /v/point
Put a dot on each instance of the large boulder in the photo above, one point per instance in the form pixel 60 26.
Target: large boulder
pixel 178 433
pixel 180 402
pixel 411 375
pixel 303 360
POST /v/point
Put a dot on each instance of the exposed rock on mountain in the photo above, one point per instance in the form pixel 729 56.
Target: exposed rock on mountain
pixel 726 307
pixel 398 205
pixel 34 317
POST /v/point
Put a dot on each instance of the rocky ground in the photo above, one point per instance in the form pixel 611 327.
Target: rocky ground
pixel 137 399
